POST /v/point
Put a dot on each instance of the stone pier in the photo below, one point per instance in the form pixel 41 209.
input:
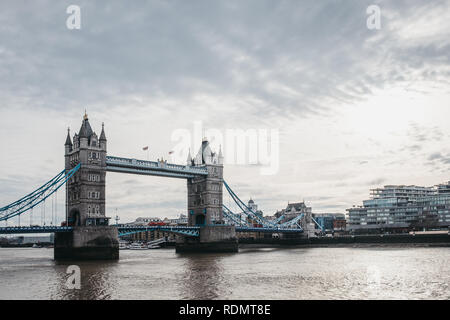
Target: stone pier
pixel 211 239
pixel 87 243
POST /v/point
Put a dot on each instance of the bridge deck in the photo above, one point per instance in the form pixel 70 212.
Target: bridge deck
pixel 153 168
pixel 127 229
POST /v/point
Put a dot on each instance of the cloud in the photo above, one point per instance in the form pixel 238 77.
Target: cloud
pixel 378 181
pixel 149 68
pixel 437 156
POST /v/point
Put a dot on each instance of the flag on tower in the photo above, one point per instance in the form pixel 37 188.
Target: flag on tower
pixel 145 148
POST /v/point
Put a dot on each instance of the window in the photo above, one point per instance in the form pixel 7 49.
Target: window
pixel 94 195
pixel 93 155
pixel 94 177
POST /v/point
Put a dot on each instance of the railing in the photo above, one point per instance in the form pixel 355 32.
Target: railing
pixel 187 231
pixel 34 229
pixel 268 230
pixel 144 164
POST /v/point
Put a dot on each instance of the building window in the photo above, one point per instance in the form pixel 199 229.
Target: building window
pixel 94 177
pixel 94 195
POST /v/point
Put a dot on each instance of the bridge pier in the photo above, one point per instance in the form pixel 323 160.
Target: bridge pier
pixel 210 239
pixel 87 243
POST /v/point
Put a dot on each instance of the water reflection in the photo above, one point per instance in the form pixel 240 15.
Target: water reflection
pixel 203 276
pixel 97 281
pixel 265 273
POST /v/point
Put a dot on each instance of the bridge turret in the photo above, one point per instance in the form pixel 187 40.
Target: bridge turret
pixel 91 237
pixel 103 138
pixel 205 192
pixel 86 190
pixel 189 159
pixel 68 145
pixel 220 156
pixel 85 132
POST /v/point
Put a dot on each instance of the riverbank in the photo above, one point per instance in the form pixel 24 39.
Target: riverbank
pixel 25 245
pixel 434 240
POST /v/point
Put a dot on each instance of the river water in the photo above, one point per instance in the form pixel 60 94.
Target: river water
pixel 258 273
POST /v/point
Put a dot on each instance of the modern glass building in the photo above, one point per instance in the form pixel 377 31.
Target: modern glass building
pixel 329 222
pixel 402 209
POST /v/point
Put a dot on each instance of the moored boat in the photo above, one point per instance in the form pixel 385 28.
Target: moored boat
pixel 138 246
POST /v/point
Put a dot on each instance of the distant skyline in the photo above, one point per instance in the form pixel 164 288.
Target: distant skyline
pixel 355 108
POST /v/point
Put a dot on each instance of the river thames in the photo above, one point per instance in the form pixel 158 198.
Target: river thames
pixel 253 273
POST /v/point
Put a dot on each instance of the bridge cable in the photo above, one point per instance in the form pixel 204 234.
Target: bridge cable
pixel 38 196
pixel 246 210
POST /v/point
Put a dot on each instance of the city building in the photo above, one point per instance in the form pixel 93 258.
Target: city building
pixel 246 218
pixel 293 210
pixel 182 220
pixel 254 207
pixel 330 222
pixel 398 208
pixel 145 221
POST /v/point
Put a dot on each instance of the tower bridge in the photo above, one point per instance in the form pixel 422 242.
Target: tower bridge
pixel 87 234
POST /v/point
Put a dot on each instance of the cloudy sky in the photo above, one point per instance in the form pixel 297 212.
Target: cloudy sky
pixel 355 108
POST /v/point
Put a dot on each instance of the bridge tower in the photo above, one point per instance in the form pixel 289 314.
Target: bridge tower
pixel 205 192
pixel 205 198
pixel 85 191
pixel 91 238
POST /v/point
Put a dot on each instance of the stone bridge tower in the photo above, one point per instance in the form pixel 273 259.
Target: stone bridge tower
pixel 205 199
pixel 91 238
pixel 85 198
pixel 205 192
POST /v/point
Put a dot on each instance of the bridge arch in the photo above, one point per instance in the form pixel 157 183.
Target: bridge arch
pixel 200 220
pixel 74 218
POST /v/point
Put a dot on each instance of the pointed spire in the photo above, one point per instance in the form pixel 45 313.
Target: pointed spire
pixel 220 155
pixel 189 158
pixel 103 135
pixel 68 140
pixel 85 130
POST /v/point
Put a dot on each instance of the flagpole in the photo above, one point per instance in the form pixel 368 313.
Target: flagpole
pixel 146 149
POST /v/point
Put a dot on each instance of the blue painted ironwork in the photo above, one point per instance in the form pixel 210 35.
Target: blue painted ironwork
pixel 279 219
pixel 154 168
pixel 186 231
pixel 37 196
pixel 34 229
pixel 318 224
pixel 246 210
pixel 269 225
pixel 292 221
pixel 233 217
pixel 269 230
pixel 143 167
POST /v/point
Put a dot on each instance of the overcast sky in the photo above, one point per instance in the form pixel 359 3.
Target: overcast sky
pixel 355 108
